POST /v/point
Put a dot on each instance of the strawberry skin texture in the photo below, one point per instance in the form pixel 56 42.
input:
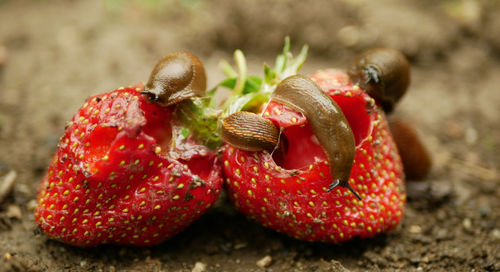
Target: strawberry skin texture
pixel 113 179
pixel 289 194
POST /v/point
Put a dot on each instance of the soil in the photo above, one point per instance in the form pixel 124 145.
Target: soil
pixel 55 54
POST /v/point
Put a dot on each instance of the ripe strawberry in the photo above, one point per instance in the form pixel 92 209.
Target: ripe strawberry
pixel 125 172
pixel 288 191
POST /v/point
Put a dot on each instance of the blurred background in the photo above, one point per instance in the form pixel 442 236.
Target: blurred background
pixel 54 54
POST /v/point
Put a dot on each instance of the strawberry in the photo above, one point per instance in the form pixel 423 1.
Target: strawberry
pixel 127 171
pixel 291 190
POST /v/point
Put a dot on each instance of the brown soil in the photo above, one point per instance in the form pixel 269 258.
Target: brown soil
pixel 54 54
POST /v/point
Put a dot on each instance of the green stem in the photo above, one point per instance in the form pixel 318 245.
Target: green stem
pixel 241 64
pixel 241 77
pixel 227 69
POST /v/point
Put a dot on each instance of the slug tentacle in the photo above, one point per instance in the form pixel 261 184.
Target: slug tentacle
pixel 176 77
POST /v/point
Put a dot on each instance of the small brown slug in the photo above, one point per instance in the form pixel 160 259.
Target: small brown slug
pixel 417 161
pixel 176 77
pixel 384 73
pixel 250 132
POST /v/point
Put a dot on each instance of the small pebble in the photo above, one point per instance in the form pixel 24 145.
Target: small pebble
pixel 31 205
pixel 7 256
pixel 415 229
pixel 13 211
pixel 83 263
pixel 495 233
pixel 199 267
pixel 6 184
pixel 471 135
pixel 264 262
pixel 240 245
pixel 467 224
pixel 349 35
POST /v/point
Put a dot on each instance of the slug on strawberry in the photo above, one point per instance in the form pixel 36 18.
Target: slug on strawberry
pixel 176 77
pixel 250 132
pixel 384 73
pixel 128 169
pixel 292 193
pixel 326 119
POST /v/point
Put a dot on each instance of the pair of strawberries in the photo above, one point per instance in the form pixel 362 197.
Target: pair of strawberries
pixel 139 164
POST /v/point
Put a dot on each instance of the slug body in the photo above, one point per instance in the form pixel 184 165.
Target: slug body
pixel 417 161
pixel 384 73
pixel 249 131
pixel 176 77
pixel 327 122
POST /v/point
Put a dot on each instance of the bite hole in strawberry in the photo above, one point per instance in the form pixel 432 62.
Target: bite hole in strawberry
pixel 301 145
pixel 200 166
pixel 100 142
pixel 357 114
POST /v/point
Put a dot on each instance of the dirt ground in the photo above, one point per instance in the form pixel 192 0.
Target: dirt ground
pixel 54 54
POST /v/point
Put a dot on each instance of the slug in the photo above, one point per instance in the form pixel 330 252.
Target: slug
pixel 176 77
pixel 327 121
pixel 383 73
pixel 417 161
pixel 253 132
pixel 250 132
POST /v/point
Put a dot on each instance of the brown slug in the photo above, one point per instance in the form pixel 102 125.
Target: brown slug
pixel 176 77
pixel 250 132
pixel 383 73
pixel 416 159
pixel 327 122
pixel 324 115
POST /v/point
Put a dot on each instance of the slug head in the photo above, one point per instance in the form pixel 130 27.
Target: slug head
pixel 384 73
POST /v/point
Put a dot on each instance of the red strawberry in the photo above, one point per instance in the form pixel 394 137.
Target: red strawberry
pixel 289 192
pixel 124 173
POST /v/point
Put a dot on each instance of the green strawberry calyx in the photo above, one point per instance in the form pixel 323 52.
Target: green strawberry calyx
pixel 249 92
pixel 201 117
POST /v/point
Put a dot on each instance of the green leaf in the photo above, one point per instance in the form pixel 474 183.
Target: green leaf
pixel 251 92
pixel 184 132
pixel 200 121
pixel 281 60
pixel 229 83
pixel 252 85
pixel 269 74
